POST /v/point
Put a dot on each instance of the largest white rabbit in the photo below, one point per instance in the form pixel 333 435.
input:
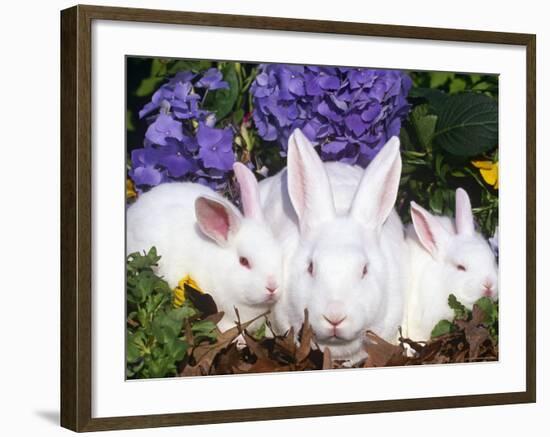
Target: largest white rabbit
pixel 343 246
pixel 447 256
pixel 199 233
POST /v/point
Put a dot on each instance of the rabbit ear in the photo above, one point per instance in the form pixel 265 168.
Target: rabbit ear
pixel 377 190
pixel 431 233
pixel 250 194
pixel 216 220
pixel 464 216
pixel 308 185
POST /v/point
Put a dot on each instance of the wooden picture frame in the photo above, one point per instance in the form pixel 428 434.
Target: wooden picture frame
pixel 76 217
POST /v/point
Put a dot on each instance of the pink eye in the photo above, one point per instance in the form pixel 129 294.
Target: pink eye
pixel 244 262
pixel 310 268
pixel 365 271
pixel 461 267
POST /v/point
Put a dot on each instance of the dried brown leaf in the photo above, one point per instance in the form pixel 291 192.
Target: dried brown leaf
pixel 256 347
pixel 382 353
pixel 327 359
pixel 267 365
pixel 305 340
pixel 286 344
pixel 228 361
pixel 215 318
pixel 205 354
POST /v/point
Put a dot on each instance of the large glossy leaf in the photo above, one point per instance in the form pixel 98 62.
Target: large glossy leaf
pixel 435 98
pixel 467 124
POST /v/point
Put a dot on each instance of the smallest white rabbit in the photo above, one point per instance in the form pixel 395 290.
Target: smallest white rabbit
pixel 445 257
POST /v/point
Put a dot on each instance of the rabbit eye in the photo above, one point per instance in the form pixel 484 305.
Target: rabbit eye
pixel 365 271
pixel 244 262
pixel 461 267
pixel 310 268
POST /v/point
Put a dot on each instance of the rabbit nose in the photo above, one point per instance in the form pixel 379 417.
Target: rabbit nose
pixel 488 288
pixel 334 321
pixel 271 289
pixel 271 284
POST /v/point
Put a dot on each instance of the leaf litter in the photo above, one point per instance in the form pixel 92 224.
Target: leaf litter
pixel 238 351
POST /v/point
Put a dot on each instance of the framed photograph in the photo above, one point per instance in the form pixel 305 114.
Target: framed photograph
pixel 340 216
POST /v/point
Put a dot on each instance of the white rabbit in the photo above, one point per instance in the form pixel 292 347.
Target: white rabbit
pixel 446 256
pixel 199 233
pixel 343 246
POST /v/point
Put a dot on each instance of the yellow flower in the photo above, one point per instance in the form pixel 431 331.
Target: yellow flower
pixel 130 189
pixel 489 172
pixel 179 291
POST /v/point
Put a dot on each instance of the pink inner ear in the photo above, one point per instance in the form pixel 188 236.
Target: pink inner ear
pixel 213 219
pixel 248 200
pixel 248 187
pixel 299 185
pixel 423 230
pixel 308 184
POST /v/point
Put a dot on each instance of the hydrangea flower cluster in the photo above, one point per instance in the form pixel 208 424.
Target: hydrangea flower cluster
pixel 182 142
pixel 349 113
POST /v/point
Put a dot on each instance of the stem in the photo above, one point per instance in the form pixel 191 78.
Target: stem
pixel 204 97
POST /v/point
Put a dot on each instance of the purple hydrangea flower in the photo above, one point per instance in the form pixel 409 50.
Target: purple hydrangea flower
pixel 216 149
pixel 349 113
pixel 181 141
pixel 162 128
pixel 212 79
pixel 144 170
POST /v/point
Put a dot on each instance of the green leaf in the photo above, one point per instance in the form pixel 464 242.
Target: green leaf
pixel 474 78
pixel 424 125
pixel 187 65
pixel 129 123
pixel 460 310
pixel 158 67
pixel 148 85
pixel 168 325
pixel 482 86
pixel 435 98
pixel 443 327
pixel 467 124
pixel 436 201
pixel 457 85
pixel 489 308
pixel 405 139
pixel 204 330
pixel 132 351
pixel 176 349
pixel 222 101
pixel 137 261
pixel 238 116
pixel 145 285
pixel 260 332
pixel 440 78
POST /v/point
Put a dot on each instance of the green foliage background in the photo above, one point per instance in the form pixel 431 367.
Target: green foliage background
pixel 454 121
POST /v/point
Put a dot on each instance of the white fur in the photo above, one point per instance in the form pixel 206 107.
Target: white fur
pixel 437 247
pixel 341 218
pixel 165 217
